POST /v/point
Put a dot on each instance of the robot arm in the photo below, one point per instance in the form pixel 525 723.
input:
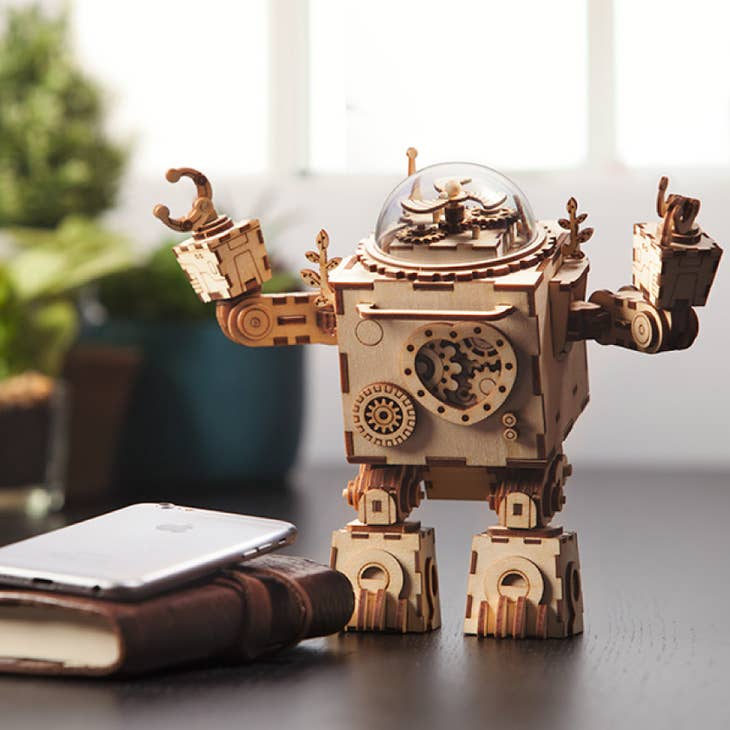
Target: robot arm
pixel 264 320
pixel 627 319
pixel 673 271
pixel 228 263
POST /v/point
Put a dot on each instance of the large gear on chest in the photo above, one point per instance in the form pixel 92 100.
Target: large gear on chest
pixel 384 414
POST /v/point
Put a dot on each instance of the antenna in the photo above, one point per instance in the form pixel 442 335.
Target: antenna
pixel 411 154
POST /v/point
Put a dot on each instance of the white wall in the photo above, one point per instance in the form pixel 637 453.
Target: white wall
pixel 647 410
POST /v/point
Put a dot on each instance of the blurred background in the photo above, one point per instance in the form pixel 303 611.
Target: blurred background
pixel 300 112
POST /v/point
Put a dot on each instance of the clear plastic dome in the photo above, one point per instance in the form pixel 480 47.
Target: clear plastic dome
pixel 455 212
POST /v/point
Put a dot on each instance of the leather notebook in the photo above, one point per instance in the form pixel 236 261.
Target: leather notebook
pixel 236 614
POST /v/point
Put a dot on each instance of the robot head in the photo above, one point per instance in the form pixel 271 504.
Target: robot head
pixel 455 213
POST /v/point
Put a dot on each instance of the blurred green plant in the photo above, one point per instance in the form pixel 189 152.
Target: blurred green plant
pixel 157 290
pixel 38 285
pixel 55 159
pixel 58 169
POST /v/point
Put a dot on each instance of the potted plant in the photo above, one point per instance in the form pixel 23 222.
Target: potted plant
pixel 204 411
pixel 40 276
pixel 58 171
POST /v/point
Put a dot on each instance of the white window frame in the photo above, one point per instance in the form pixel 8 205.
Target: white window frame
pixel 602 150
pixel 289 48
pixel 289 97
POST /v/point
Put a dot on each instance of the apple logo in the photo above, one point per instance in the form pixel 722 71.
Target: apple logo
pixel 175 527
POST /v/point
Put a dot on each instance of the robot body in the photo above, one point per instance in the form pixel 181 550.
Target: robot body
pixel 461 326
pixel 470 368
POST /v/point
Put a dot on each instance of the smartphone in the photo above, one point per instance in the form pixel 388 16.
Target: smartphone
pixel 138 551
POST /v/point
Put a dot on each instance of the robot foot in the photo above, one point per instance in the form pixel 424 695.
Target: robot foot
pixel 393 573
pixel 524 583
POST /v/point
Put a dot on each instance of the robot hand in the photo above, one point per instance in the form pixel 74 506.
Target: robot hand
pixel 222 260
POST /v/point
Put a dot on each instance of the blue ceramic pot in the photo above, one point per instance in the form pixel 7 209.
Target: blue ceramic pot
pixel 205 410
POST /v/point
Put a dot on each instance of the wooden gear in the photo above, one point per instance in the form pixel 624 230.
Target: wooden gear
pixel 460 379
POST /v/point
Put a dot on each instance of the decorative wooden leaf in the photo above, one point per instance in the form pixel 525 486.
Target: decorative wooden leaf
pixel 323 240
pixel 321 301
pixel 312 256
pixel 333 262
pixel 572 205
pixel 310 277
pixel 564 223
pixel 581 217
pixel 584 235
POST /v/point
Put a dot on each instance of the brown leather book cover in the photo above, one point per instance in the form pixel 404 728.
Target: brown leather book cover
pixel 236 614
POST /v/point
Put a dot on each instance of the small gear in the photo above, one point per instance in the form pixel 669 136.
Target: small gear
pixel 429 367
pixel 485 365
pixel 553 497
pixel 438 367
pixel 499 218
pixel 421 233
pixel 383 415
pixel 482 383
pixel 481 353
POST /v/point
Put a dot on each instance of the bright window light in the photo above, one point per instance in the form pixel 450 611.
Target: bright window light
pixel 471 80
pixel 188 81
pixel 673 86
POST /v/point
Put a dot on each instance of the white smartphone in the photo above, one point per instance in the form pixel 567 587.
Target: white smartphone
pixel 138 551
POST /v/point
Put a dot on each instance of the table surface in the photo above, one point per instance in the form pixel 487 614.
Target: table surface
pixel 655 652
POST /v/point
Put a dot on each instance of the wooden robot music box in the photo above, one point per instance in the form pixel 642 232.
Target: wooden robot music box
pixel 461 325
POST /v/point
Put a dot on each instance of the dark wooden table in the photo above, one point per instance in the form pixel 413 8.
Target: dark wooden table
pixel 655 653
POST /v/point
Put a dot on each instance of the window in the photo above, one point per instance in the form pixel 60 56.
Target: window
pixel 188 80
pixel 673 87
pixel 344 86
pixel 503 84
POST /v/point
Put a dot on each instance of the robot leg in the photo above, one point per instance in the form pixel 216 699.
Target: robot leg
pixel 524 575
pixel 390 562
